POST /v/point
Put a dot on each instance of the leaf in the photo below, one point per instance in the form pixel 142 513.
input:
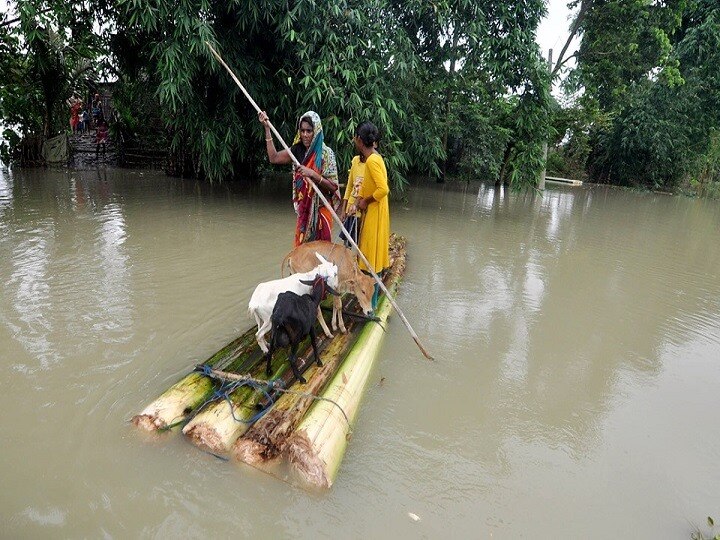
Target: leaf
pixel 710 521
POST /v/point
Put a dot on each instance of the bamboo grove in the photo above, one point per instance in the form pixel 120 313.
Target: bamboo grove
pixel 458 87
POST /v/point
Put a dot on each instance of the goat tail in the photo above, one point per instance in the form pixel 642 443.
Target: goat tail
pixel 285 262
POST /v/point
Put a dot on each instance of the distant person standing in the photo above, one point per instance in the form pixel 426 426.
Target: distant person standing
pixel 83 123
pixel 101 135
pixel 97 112
pixel 372 200
pixel 75 108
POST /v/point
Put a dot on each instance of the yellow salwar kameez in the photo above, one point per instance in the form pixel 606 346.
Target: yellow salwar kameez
pixel 356 174
pixel 375 228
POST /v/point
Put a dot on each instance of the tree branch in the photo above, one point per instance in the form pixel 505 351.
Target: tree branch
pixel 565 61
pixel 17 19
pixel 584 8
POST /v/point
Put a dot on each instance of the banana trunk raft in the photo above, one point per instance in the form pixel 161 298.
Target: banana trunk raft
pixel 227 406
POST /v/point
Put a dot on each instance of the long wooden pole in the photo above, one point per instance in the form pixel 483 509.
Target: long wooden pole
pixel 327 205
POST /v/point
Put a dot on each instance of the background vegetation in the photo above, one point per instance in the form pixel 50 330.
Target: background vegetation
pixel 648 81
pixel 458 87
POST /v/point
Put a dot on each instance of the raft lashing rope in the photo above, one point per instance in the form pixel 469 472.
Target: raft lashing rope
pixel 227 386
pixel 270 388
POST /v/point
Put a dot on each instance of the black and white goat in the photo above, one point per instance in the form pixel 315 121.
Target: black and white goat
pixel 262 301
pixel 293 318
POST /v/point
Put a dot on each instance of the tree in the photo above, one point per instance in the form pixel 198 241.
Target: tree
pixel 655 81
pixel 431 75
pixel 47 53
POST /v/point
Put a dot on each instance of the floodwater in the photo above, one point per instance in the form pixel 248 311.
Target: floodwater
pixel 575 391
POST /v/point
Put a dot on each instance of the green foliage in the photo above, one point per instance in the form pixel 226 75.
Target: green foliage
pixel 651 79
pixel 697 534
pixel 706 181
pixel 623 41
pixel 570 147
pixel 17 95
pixel 475 60
pixel 350 61
pixel 461 72
pixel 355 68
pixel 21 101
pixel 138 119
pixel 479 133
pixel 45 56
pixel 532 118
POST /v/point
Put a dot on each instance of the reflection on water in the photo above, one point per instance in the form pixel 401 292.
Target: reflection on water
pixel 29 285
pixel 576 337
pixel 113 283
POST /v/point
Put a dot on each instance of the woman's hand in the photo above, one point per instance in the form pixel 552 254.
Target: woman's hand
pixel 263 118
pixel 364 202
pixel 312 175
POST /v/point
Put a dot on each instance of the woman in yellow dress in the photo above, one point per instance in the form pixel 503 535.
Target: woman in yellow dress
pixel 369 191
pixel 350 214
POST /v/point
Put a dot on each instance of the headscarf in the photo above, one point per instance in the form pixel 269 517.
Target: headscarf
pixel 320 158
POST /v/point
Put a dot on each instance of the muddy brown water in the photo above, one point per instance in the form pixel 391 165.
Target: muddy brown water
pixel 575 393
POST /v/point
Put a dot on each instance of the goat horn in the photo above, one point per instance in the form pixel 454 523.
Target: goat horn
pixel 331 290
pixel 321 258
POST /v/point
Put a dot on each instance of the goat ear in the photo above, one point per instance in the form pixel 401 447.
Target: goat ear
pixel 331 290
pixel 321 258
pixel 307 282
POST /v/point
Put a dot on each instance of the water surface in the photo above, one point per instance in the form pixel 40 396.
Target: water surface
pixel 574 393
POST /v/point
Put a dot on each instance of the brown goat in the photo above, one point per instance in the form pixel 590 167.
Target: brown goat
pixel 350 278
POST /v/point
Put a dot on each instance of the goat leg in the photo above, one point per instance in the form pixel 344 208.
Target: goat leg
pixel 321 320
pixel 338 315
pixel 263 328
pixel 314 347
pixel 269 354
pixel 293 364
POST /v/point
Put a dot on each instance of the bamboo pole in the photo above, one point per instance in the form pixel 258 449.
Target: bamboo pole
pixel 180 400
pixel 328 206
pixel 175 403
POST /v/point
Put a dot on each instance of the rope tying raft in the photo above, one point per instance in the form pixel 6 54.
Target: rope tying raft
pixel 266 387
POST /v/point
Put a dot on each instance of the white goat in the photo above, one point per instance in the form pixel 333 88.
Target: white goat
pixel 265 295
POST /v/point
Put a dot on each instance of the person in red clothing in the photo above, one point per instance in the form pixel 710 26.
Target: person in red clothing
pixel 101 136
pixel 76 105
pixel 314 221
